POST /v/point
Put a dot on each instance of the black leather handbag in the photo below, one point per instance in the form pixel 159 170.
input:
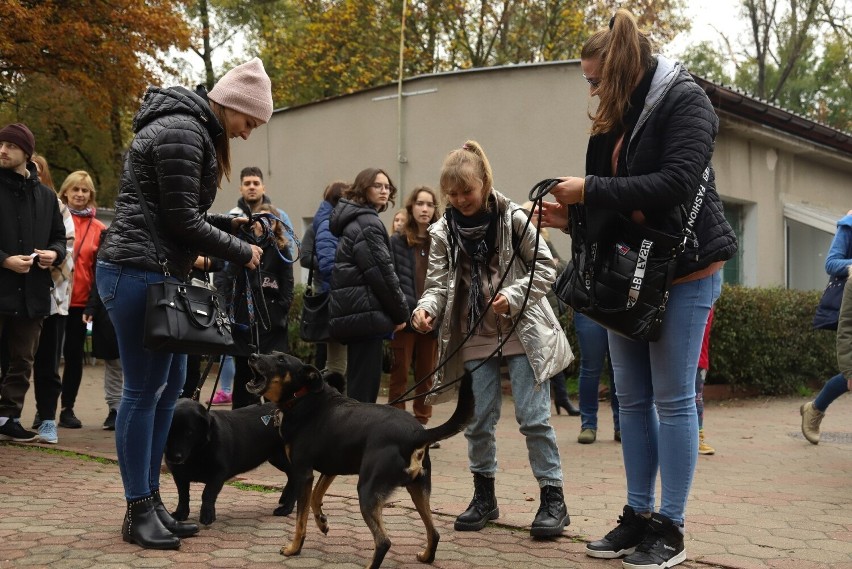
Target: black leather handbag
pixel 621 279
pixel 314 323
pixel 181 318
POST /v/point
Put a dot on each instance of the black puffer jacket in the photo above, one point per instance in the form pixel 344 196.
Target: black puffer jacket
pixel 405 266
pixel 29 219
pixel 366 300
pixel 175 162
pixel 661 164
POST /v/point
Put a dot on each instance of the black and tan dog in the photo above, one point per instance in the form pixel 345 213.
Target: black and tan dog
pixel 332 434
pixel 214 447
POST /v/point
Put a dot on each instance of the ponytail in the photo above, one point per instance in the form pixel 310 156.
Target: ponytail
pixel 464 166
pixel 625 55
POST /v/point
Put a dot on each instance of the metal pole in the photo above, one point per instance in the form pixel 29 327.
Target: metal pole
pixel 401 159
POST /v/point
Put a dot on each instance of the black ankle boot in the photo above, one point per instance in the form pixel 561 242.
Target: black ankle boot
pixel 482 508
pixel 180 529
pixel 552 515
pixel 143 527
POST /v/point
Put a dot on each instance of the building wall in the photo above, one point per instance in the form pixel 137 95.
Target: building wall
pixel 532 122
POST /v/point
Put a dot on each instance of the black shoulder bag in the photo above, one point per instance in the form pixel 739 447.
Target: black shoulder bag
pixel 622 279
pixel 313 326
pixel 181 318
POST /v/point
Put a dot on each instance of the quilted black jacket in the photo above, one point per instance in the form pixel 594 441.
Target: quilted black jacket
pixel 29 219
pixel 175 162
pixel 366 300
pixel 661 164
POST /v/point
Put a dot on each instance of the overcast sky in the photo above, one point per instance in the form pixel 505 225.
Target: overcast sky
pixel 708 18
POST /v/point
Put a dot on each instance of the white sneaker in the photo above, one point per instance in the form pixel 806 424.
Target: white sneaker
pixel 47 432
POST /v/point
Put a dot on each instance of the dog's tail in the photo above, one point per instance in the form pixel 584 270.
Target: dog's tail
pixel 460 417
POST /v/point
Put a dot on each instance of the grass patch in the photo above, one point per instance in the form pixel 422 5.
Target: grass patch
pixel 253 487
pixel 68 454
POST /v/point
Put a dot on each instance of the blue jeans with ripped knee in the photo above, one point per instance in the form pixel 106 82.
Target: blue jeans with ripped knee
pixel 655 384
pixel 152 380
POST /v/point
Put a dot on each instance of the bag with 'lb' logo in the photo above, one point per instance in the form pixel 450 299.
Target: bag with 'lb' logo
pixel 622 282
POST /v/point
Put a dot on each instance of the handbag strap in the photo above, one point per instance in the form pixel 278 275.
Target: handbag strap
pixel 311 268
pixel 161 258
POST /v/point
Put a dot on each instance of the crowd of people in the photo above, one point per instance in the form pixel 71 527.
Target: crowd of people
pixel 459 282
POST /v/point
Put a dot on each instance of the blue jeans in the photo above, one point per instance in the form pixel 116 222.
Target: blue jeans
pixel 152 380
pixel 532 412
pixel 833 388
pixel 594 346
pixel 655 382
pixel 226 381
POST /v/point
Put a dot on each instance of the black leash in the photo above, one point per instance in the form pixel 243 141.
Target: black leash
pixel 197 393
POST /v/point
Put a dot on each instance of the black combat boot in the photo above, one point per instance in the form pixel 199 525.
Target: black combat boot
pixel 143 527
pixel 552 515
pixel 180 529
pixel 482 508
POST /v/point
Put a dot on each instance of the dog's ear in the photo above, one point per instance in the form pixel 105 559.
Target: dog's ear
pixel 315 381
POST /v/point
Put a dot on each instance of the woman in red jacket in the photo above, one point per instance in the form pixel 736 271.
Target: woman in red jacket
pixel 78 193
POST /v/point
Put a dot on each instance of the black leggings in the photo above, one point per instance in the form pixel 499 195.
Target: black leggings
pixel 75 338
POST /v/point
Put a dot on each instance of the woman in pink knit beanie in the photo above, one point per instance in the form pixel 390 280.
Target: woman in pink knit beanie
pixel 174 167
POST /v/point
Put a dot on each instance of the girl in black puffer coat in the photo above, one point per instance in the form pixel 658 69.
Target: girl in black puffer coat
pixel 652 140
pixel 367 304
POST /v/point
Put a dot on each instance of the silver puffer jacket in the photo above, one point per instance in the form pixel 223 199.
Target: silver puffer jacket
pixel 539 331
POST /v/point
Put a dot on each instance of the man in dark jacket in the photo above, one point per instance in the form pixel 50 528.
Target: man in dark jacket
pixel 32 239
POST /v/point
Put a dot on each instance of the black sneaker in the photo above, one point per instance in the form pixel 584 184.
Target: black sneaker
pixel 109 422
pixel 629 533
pixel 36 422
pixel 12 430
pixel 661 548
pixel 69 420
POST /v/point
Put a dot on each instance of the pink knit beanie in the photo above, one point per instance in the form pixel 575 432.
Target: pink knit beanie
pixel 245 88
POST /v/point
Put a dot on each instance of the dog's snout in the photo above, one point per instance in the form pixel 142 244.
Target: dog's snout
pixel 254 357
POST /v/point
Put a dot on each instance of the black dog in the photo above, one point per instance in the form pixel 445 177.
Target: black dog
pixel 332 434
pixel 214 447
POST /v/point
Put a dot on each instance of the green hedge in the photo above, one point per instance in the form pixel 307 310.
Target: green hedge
pixel 761 340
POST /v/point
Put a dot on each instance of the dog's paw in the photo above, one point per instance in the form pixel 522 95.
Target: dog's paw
pixel 292 549
pixel 181 514
pixel 207 515
pixel 285 510
pixel 322 523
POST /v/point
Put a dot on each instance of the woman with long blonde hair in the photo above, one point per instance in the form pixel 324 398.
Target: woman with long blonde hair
pixel 652 139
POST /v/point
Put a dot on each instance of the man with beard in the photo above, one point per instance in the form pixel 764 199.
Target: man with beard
pixel 32 239
pixel 253 194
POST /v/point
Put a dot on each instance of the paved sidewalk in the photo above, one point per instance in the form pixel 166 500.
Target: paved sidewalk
pixel 767 499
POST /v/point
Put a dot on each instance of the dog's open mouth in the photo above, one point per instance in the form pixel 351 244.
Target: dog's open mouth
pixel 257 385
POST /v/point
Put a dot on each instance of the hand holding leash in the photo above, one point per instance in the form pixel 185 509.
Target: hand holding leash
pixel 569 190
pixel 256 253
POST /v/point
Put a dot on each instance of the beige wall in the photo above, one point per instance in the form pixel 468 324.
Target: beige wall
pixel 532 122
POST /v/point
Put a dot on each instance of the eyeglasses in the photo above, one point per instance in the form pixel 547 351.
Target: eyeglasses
pixel 593 82
pixel 380 186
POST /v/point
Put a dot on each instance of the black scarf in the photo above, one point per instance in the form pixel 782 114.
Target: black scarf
pixel 478 236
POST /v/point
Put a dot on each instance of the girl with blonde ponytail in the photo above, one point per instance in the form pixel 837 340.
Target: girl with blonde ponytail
pixel 471 249
pixel 652 139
